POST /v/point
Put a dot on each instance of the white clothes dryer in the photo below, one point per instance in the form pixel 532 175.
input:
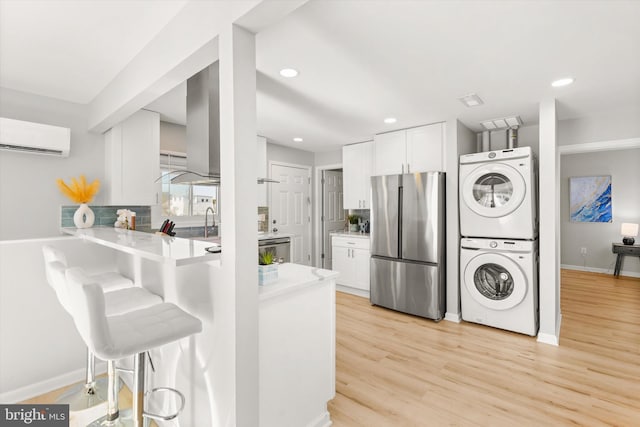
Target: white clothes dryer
pixel 498 194
pixel 499 283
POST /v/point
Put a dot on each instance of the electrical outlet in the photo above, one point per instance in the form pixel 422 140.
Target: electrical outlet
pixel 583 251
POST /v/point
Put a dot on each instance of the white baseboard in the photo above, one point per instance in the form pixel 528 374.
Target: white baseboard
pixel 599 270
pixel 323 420
pixel 37 389
pixel 353 291
pixel 550 338
pixel 453 317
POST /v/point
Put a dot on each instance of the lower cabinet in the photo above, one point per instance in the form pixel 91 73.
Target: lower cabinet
pixel 351 259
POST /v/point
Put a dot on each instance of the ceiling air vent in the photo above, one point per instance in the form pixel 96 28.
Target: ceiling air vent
pixel 503 123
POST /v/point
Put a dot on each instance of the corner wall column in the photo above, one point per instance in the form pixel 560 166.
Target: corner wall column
pixel 549 226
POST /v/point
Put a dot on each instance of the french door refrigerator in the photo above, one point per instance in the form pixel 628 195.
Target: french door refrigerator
pixel 408 243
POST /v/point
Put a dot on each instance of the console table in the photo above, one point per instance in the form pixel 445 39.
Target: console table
pixel 622 250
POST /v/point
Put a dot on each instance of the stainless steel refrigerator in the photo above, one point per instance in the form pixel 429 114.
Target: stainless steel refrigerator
pixel 408 243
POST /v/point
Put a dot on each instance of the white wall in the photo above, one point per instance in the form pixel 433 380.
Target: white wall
pixel 607 126
pixel 173 137
pixel 597 237
pixel 280 153
pixel 458 140
pixel 41 349
pixel 29 197
pixel 328 158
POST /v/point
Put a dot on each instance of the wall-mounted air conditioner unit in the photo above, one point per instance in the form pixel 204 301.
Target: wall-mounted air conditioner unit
pixel 28 137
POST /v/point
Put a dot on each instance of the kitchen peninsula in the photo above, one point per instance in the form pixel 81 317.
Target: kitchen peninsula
pixel 296 328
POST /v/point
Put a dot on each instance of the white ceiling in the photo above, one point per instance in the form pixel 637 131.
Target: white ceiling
pixel 362 61
pixel 71 49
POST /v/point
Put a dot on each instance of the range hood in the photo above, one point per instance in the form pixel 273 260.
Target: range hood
pixel 203 130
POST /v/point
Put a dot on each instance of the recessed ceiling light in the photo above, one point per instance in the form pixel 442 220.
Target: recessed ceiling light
pixel 297 139
pixel 471 100
pixel 563 82
pixel 288 72
pixel 390 120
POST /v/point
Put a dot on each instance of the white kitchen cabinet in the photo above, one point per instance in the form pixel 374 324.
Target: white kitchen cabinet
pixel 132 164
pixel 261 169
pixel 411 150
pixel 351 259
pixel 357 164
pixel 390 154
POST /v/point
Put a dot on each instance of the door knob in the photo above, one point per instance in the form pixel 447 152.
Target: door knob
pixel 274 229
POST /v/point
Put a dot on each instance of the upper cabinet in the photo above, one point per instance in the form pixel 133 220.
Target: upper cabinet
pixel 357 164
pixel 132 165
pixel 261 170
pixel 411 150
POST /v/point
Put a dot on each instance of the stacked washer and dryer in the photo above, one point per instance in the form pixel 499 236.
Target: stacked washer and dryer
pixel 499 247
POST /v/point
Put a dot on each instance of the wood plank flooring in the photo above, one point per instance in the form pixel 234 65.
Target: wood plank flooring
pixel 398 370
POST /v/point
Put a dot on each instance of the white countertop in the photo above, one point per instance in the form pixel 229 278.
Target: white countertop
pixel 293 277
pixel 147 245
pixel 356 234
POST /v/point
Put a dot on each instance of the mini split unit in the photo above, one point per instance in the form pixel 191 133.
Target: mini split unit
pixel 36 138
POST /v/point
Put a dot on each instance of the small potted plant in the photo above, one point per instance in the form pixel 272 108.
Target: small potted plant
pixel 267 270
pixel 353 222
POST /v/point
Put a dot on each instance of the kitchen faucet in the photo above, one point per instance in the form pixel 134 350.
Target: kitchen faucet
pixel 213 221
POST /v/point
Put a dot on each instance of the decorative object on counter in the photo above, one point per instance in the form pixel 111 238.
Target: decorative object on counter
pixel 629 231
pixel 167 228
pixel 353 222
pixel 267 270
pixel 81 192
pixel 126 219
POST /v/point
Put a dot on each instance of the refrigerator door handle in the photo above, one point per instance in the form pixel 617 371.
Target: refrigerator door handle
pixel 400 195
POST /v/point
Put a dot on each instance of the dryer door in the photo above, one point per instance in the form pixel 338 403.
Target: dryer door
pixel 493 190
pixel 495 281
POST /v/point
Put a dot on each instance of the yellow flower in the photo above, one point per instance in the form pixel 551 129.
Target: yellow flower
pixel 79 192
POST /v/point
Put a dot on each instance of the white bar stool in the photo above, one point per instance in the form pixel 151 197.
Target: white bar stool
pixel 131 334
pixel 120 298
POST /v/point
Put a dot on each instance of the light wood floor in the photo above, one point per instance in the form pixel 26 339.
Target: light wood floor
pixel 399 370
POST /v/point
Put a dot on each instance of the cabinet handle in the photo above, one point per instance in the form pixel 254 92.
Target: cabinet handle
pixel 403 168
pixel 408 170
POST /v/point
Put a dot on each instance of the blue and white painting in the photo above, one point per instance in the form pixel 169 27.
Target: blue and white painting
pixel 590 199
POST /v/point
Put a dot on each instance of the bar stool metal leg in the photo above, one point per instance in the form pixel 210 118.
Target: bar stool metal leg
pixel 91 393
pixel 139 361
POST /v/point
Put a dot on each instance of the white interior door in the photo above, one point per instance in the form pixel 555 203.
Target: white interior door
pixel 333 218
pixel 290 209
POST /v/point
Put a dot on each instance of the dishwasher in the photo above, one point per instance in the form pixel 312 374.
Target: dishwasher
pixel 280 247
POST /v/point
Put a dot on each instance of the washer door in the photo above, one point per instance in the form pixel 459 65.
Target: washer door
pixel 493 190
pixel 495 281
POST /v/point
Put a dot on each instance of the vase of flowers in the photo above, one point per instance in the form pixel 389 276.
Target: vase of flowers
pixel 81 192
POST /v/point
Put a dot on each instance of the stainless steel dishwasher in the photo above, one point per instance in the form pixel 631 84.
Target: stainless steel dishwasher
pixel 280 247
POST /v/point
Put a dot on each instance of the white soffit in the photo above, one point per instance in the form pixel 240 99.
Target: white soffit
pixel 590 147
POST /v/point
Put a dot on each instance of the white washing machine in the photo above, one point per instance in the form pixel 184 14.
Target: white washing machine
pixel 498 194
pixel 499 283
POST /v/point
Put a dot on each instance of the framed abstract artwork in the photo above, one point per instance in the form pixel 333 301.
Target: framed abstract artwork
pixel 590 199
